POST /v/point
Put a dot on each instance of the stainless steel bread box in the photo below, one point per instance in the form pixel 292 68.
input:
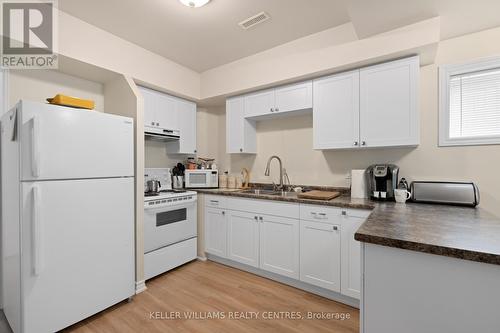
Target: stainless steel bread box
pixel 452 193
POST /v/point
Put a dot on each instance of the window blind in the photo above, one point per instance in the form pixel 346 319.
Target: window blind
pixel 475 104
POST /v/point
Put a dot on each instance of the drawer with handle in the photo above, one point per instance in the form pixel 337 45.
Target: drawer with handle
pixel 320 213
pixel 216 201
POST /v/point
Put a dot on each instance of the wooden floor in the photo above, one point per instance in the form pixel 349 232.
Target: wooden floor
pixel 205 288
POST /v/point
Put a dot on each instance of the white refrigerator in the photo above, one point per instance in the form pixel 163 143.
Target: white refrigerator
pixel 67 214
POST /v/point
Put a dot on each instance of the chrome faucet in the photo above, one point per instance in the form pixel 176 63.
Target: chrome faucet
pixel 266 173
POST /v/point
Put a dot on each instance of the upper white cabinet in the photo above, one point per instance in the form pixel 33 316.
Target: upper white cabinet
pixel 336 111
pixel 150 103
pixel 240 132
pixel 388 104
pixel 166 114
pixel 171 113
pixel 186 113
pixel 159 110
pixel 294 97
pixel 259 103
pixel 372 107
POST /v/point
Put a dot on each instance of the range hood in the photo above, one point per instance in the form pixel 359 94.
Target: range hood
pixel 161 134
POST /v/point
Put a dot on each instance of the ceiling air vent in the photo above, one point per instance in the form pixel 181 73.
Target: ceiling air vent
pixel 254 20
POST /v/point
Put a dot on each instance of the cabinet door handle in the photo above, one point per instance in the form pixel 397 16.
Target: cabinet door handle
pixel 363 143
pixel 335 228
pixel 272 110
pixel 223 213
pixel 195 151
pixel 344 212
pixel 157 124
pixel 241 149
pixel 319 215
pixel 320 228
pixel 214 201
pixel 260 218
pixel 153 123
pixel 277 109
pixel 356 143
pixel 256 218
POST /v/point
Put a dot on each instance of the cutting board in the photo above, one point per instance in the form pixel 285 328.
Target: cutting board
pixel 318 195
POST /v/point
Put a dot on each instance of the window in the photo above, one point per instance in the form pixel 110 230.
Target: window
pixel 469 110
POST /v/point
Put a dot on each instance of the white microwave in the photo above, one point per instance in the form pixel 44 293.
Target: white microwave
pixel 201 178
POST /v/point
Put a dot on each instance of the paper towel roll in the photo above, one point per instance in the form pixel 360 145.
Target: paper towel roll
pixel 358 184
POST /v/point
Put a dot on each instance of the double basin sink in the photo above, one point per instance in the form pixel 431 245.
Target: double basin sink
pixel 269 192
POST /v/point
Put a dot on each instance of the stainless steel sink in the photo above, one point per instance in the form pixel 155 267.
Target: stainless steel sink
pixel 261 191
pixel 287 194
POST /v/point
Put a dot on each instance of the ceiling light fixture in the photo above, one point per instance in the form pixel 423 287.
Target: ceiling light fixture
pixel 194 3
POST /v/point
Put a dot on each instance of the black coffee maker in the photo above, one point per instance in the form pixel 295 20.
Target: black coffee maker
pixel 382 180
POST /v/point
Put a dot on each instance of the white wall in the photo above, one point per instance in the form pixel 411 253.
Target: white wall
pixel 122 97
pixel 37 85
pixel 84 42
pixel 333 50
pixel 3 109
pixel 291 139
pixel 3 93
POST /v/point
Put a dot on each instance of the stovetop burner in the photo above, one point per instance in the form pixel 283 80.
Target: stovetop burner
pixel 155 194
pixel 173 191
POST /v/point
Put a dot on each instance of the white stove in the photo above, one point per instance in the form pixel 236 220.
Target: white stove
pixel 170 228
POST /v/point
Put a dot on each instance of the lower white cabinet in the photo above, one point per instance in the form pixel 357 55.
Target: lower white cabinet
pixel 243 238
pixel 279 245
pixel 351 254
pixel 311 243
pixel 215 231
pixel 320 254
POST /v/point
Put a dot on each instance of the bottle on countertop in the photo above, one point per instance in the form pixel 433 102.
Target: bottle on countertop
pixel 223 180
pixel 231 182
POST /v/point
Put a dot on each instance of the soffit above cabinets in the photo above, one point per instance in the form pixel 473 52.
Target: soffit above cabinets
pixel 208 37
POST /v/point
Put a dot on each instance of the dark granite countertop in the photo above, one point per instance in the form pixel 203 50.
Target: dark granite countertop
pixel 458 232
pixel 344 201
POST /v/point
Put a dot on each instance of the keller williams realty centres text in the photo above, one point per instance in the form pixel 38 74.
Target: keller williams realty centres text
pixel 248 315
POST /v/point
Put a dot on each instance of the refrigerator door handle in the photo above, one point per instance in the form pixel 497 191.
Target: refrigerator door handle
pixel 36 234
pixel 35 151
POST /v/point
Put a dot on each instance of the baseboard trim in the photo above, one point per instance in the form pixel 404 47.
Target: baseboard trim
pixel 288 281
pixel 200 258
pixel 140 286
